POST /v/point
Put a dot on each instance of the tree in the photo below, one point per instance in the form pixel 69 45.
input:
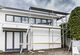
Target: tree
pixel 74 23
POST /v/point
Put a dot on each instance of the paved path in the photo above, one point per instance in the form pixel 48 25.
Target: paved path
pixel 42 52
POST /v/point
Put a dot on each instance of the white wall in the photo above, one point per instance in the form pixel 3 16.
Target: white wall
pixel 2 39
pixel 39 34
pixel 55 37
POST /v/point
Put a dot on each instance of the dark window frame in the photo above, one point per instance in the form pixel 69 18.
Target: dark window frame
pixel 25 17
pixel 40 20
pixel 21 38
pixel 17 16
pixel 6 17
pixel 35 19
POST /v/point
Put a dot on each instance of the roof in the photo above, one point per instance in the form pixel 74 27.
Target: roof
pixel 43 11
pixel 38 9
pixel 50 11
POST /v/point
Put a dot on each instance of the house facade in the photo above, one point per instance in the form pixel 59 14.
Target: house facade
pixel 14 24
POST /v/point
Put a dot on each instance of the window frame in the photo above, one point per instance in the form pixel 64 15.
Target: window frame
pixel 17 16
pixel 40 20
pixel 6 17
pixel 25 18
pixel 29 18
pixel 32 18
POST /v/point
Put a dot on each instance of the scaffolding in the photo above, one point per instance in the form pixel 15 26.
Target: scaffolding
pixel 30 29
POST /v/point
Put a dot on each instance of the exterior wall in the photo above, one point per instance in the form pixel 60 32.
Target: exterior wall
pixel 40 35
pixel 55 36
pixel 2 39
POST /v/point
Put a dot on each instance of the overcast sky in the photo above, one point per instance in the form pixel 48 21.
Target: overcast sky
pixel 59 5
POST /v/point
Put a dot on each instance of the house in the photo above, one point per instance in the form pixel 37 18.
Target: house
pixel 40 24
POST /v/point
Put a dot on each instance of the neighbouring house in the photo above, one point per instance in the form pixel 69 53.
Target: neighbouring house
pixel 37 26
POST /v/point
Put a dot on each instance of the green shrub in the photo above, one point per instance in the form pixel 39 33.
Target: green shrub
pixel 74 23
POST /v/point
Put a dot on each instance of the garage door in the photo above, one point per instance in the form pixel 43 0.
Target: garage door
pixel 40 35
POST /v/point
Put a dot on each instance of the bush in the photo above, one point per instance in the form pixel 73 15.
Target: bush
pixel 74 23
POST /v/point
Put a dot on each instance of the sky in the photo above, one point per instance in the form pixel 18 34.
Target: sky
pixel 57 5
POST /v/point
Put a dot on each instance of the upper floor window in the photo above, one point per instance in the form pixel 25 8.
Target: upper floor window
pixel 44 21
pixel 17 19
pixel 38 21
pixel 9 18
pixel 32 20
pixel 25 20
pixel 49 22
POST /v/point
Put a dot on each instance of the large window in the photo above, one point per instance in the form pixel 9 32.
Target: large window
pixel 17 19
pixel 44 21
pixel 32 20
pixel 49 22
pixel 25 20
pixel 38 21
pixel 9 18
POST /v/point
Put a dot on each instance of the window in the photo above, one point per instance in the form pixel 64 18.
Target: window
pixel 25 20
pixel 17 19
pixel 9 18
pixel 44 21
pixel 49 22
pixel 38 21
pixel 32 20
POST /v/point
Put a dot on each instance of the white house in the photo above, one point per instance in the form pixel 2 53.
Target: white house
pixel 29 26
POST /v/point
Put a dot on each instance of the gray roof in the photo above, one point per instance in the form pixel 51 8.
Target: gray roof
pixel 37 9
pixel 49 11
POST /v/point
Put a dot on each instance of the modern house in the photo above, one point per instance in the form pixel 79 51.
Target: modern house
pixel 35 28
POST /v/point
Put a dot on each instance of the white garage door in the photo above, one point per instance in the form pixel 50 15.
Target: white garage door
pixel 41 35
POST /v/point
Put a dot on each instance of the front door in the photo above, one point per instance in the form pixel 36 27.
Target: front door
pixel 13 40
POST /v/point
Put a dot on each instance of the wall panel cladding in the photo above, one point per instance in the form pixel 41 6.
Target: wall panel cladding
pixel 42 35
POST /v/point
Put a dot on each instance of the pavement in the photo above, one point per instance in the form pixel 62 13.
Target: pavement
pixel 41 52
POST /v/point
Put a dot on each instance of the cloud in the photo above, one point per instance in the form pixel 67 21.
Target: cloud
pixel 42 3
pixel 59 5
pixel 24 4
pixel 63 5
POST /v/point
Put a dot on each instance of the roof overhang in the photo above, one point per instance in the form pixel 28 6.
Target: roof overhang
pixel 49 11
pixel 36 14
pixel 14 29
